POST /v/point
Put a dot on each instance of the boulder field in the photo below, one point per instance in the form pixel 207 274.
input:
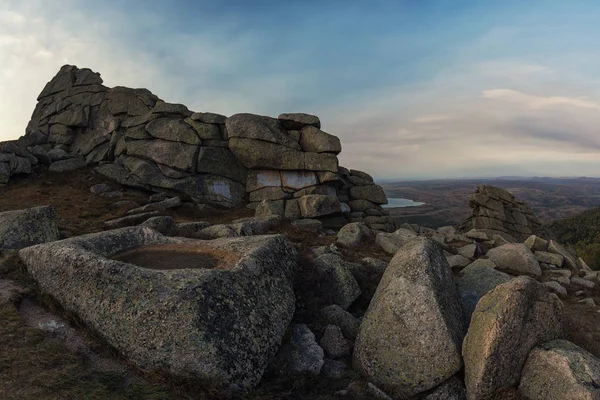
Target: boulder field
pixel 229 305
pixel 471 312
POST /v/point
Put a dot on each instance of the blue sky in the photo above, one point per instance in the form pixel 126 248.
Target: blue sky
pixel 414 89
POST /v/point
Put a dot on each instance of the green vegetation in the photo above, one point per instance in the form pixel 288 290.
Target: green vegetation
pixel 583 232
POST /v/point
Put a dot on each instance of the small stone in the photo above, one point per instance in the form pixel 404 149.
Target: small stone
pixel 549 258
pixel 535 243
pixel 582 283
pixel 334 343
pixel 456 261
pixel 556 287
pixel 468 251
pixel 588 302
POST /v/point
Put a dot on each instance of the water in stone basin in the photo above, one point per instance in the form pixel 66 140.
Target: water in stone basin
pixel 175 256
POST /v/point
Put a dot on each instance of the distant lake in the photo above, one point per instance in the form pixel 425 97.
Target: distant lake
pixel 399 202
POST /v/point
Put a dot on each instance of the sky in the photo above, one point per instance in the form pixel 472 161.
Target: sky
pixel 415 89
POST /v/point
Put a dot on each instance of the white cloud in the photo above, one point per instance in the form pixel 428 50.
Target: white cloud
pixel 537 102
pixel 431 118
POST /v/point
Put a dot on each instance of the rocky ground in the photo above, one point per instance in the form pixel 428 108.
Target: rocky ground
pixel 341 341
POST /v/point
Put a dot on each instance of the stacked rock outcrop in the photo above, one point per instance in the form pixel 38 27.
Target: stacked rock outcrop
pixel 496 211
pixel 137 139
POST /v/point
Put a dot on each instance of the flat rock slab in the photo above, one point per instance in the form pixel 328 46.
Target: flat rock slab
pixel 221 324
pixel 23 228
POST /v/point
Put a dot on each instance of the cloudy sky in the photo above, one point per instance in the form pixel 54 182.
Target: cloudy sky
pixel 413 88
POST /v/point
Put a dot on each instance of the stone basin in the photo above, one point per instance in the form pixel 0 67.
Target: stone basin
pixel 177 256
pixel 214 310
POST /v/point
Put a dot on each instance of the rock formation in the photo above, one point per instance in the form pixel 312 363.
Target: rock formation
pixel 496 211
pixel 134 138
pixel 221 323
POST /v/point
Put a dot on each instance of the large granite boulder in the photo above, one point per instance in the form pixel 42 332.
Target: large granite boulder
pixel 410 338
pixel 317 205
pixel 23 228
pixel 298 120
pixel 391 242
pixel 334 283
pixel 212 310
pixel 516 259
pixel 475 283
pixel 507 323
pixel 560 370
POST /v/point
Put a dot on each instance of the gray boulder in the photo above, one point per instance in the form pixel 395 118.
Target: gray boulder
pixel 130 220
pixel 481 262
pixel 334 343
pixel 23 228
pixel 336 315
pixel 301 354
pixel 468 251
pixel 354 234
pixel 457 261
pixel 507 323
pixel 549 258
pixel 535 243
pixel 220 318
pixel 474 284
pixel 415 299
pixel 372 193
pixel 268 208
pixel 317 205
pixel 70 164
pixel 516 259
pixel 174 130
pixel 391 242
pixel 452 389
pixel 316 141
pixel 298 120
pixel 560 370
pixel 335 283
pixel 569 260
pixel 163 224
pixel 180 156
pixel 189 229
pixel 556 287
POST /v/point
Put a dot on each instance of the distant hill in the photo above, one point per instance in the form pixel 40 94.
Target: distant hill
pixel 447 200
pixel 583 232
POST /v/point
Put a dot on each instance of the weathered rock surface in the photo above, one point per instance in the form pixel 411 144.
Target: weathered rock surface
pixel 507 323
pixel 416 298
pixel 334 343
pixel 222 325
pixel 136 139
pixel 336 315
pixel 497 212
pixel 354 234
pixel 335 283
pixel 516 259
pixel 301 354
pixel 391 242
pixel 23 228
pixel 560 370
pixel 475 283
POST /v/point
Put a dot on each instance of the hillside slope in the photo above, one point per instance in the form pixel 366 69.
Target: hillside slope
pixel 583 232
